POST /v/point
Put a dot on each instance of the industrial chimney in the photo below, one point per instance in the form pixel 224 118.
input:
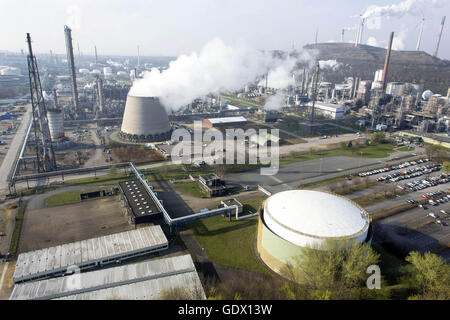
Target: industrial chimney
pixel 386 62
pixel 439 37
pixel 362 29
pixel 71 63
pixel 420 34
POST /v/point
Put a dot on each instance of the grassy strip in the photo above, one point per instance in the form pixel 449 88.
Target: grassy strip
pixel 14 243
pixel 374 198
pixel 65 198
pixel 245 102
pixel 384 213
pixel 107 179
pixel 351 188
pixel 404 148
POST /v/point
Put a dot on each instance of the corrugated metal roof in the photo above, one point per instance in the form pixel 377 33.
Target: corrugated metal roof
pixel 56 259
pixel 143 280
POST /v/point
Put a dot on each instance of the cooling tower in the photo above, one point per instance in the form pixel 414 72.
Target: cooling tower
pixel 145 120
pixel 55 124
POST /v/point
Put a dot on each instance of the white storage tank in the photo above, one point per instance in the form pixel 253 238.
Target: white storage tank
pixel 55 124
pixel 297 219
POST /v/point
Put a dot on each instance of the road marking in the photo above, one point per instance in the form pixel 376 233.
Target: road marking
pixel 5 268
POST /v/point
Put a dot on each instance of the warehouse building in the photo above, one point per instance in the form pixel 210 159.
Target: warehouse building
pixel 226 121
pixel 137 204
pixel 87 254
pixel 328 110
pixel 297 219
pixel 141 281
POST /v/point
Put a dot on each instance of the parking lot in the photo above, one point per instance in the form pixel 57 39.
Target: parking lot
pixel 423 228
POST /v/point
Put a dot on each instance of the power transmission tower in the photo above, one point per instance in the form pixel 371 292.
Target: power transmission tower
pixel 45 156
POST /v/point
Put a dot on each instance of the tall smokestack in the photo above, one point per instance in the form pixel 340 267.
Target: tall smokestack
pixel 317 32
pixel 361 30
pixel 386 62
pixel 55 98
pixel 71 63
pixel 139 58
pixel 439 37
pixel 342 35
pixel 96 59
pixel 100 94
pixel 314 90
pixel 420 34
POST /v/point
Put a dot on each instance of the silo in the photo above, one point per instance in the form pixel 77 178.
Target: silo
pixel 145 120
pixel 55 124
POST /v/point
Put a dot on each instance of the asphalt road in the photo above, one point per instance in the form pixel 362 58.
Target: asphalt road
pixel 14 149
pixel 294 174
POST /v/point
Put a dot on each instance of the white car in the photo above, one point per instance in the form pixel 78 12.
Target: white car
pixel 431 214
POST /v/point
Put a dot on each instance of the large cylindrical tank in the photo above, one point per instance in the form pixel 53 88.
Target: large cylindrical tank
pixel 55 124
pixel 295 220
pixel 145 119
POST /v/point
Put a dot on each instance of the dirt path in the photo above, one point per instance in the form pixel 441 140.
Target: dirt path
pixel 97 159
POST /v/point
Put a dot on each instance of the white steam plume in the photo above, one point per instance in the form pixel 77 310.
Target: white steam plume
pixel 413 7
pixel 275 102
pixel 372 41
pixel 398 42
pixel 329 64
pixel 216 67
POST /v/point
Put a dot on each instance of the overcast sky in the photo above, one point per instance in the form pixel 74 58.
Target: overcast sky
pixel 172 27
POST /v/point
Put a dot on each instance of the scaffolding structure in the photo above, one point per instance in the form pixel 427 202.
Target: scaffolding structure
pixel 45 156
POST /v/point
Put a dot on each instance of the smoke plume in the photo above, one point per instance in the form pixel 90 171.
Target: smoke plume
pixel 275 102
pixel 399 40
pixel 217 67
pixel 413 7
pixel 329 64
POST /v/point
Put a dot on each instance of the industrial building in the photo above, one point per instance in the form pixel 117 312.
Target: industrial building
pixel 145 120
pixel 233 203
pixel 87 254
pixel 141 281
pixel 226 121
pixel 328 110
pixel 137 203
pixel 212 184
pixel 293 220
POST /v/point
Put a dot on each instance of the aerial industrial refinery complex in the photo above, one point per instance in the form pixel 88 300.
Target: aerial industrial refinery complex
pixel 95 206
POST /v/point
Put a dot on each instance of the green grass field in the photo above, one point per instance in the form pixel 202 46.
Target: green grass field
pixel 190 187
pixel 229 243
pixel 14 242
pixel 376 151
